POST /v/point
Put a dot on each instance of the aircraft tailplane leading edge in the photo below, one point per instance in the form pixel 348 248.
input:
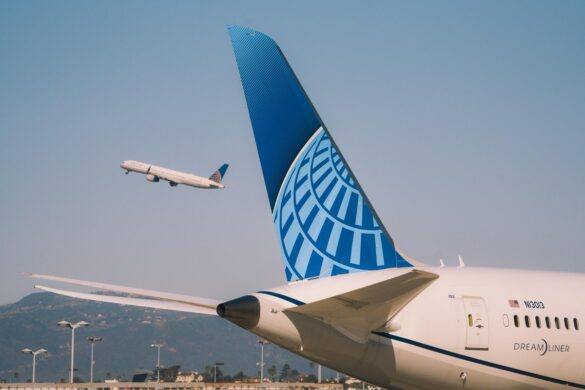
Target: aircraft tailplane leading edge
pixel 401 324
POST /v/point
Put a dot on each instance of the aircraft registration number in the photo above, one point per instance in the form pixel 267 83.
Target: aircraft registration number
pixel 534 304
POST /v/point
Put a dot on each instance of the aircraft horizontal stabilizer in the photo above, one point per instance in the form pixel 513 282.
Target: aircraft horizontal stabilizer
pixel 141 302
pixel 368 308
pixel 154 299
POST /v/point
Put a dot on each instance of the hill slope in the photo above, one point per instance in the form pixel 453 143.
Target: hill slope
pixel 191 341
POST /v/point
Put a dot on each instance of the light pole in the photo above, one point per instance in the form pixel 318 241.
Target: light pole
pixel 215 371
pixel 92 340
pixel 67 324
pixel 34 355
pixel 158 346
pixel 262 344
pixel 319 373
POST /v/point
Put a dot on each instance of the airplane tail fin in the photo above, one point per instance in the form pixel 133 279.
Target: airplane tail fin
pixel 218 175
pixel 324 221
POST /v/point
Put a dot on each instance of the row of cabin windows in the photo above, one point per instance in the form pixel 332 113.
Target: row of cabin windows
pixel 547 322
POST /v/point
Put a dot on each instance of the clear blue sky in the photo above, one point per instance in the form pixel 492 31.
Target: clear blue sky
pixel 464 121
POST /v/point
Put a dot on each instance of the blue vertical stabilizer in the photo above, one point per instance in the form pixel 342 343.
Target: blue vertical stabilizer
pixel 218 175
pixel 325 223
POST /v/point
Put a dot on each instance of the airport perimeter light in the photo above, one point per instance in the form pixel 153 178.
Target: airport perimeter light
pixel 34 355
pixel 67 324
pixel 215 371
pixel 158 346
pixel 92 340
pixel 262 343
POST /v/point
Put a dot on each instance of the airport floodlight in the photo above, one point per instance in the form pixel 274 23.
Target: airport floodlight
pixel 72 326
pixel 92 340
pixel 67 324
pixel 158 346
pixel 34 355
pixel 262 343
pixel 215 370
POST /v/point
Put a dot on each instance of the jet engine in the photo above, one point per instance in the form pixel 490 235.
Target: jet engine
pixel 150 177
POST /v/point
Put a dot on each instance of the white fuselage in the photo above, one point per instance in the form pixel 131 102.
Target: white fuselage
pixel 155 173
pixel 476 328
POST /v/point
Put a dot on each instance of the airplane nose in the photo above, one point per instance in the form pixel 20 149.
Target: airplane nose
pixel 243 311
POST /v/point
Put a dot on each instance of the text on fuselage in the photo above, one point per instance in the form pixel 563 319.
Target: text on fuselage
pixel 542 347
pixel 534 304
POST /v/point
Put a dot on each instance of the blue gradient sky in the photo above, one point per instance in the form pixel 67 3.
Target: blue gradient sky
pixel 464 122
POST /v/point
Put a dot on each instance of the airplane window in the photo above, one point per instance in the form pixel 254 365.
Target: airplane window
pixel 516 321
pixel 547 320
pixel 538 322
pixel 506 320
pixel 576 323
pixel 527 321
pixel 557 323
pixel 469 320
pixel 567 323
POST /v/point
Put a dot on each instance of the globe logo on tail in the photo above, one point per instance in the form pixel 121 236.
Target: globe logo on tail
pixel 324 224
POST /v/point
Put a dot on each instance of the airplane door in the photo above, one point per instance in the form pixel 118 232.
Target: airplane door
pixel 476 323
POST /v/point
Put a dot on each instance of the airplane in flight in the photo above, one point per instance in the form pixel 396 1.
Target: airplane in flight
pixel 356 303
pixel 155 173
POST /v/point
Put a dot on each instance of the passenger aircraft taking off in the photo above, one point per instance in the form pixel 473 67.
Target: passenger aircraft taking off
pixel 154 174
pixel 354 301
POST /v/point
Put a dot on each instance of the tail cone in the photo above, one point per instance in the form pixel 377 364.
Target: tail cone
pixel 243 311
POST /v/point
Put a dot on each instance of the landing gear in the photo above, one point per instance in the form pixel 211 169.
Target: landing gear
pixel 172 184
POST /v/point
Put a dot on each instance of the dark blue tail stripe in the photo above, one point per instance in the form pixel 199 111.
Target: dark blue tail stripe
pixel 329 188
pixel 314 267
pixel 368 250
